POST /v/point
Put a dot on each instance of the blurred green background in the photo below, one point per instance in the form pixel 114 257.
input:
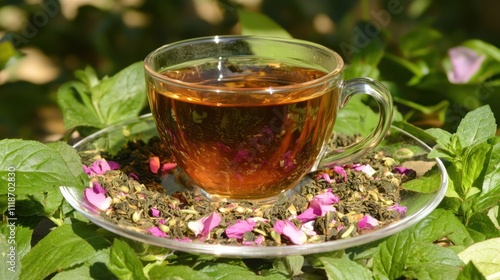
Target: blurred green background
pixel 56 38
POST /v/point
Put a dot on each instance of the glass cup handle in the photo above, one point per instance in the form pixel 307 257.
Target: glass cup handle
pixel 384 100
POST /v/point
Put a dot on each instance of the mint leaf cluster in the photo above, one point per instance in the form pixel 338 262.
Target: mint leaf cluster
pixel 473 154
pixel 94 103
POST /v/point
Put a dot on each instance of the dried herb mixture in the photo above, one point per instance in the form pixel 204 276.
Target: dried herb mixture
pixel 338 202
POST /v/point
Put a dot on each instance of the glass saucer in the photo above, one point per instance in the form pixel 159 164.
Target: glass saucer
pixel 419 205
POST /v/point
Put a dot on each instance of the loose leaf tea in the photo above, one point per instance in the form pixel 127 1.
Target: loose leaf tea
pixel 337 202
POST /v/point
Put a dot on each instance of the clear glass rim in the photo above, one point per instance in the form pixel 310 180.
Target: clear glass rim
pixel 150 71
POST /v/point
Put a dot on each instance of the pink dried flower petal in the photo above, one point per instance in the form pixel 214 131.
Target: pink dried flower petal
pixel 288 229
pixel 403 170
pixel 154 164
pixel 98 188
pixel 166 167
pixel 367 169
pixel 154 212
pixel 87 170
pixel 398 208
pixel 156 231
pixel 96 197
pixel 98 167
pixel 113 165
pixel 307 215
pixel 367 222
pixel 258 241
pixel 238 229
pixel 133 176
pixel 319 206
pixel 325 177
pixel 339 170
pixel 358 167
pixel 308 228
pixel 203 226
pixel 465 63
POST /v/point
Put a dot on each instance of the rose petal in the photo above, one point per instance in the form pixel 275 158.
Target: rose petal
pixel 87 170
pixel 367 169
pixel 257 241
pixel 98 199
pixel 133 176
pixel 367 222
pixel 325 177
pixel 308 228
pixel 98 188
pixel 203 226
pixel 319 206
pixel 168 166
pixel 403 170
pixel 156 231
pixel 465 63
pixel 154 212
pixel 238 229
pixel 154 164
pixel 339 170
pixel 307 215
pixel 288 229
pixel 398 208
pixel 113 165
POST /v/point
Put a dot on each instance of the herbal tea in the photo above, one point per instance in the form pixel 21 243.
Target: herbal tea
pixel 254 144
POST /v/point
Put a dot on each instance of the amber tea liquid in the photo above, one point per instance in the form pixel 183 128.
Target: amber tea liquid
pixel 256 143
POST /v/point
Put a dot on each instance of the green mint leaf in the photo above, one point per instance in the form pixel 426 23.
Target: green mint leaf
pixel 485 255
pixel 473 162
pixel 15 243
pixel 176 272
pixel 259 24
pixel 426 184
pixel 390 260
pixel 470 272
pixel 344 268
pixel 289 266
pixel 63 248
pixel 95 268
pixel 480 222
pixel 101 103
pixel 87 76
pixel 122 96
pixel 71 157
pixel 229 270
pixel 443 154
pixel 442 136
pixel 477 126
pixel 431 271
pixel 431 261
pixel 356 117
pixel 75 102
pixel 490 192
pixel 38 170
pixel 124 262
pixel 439 224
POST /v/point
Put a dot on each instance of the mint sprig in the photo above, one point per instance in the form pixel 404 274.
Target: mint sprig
pixel 474 163
pixel 91 102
